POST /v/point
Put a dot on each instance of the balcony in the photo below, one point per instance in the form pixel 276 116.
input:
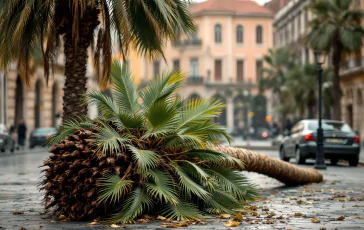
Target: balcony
pixel 194 80
pixel 351 66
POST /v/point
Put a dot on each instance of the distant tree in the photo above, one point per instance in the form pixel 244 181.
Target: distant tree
pixel 336 28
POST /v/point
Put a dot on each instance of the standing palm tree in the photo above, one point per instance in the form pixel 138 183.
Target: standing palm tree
pixel 337 28
pixel 300 85
pixel 82 24
pixel 278 62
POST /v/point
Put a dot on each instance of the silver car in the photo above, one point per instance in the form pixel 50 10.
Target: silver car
pixel 340 142
pixel 6 140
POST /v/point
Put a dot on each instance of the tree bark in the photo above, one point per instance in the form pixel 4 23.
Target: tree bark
pixel 285 172
pixel 336 60
pixel 76 64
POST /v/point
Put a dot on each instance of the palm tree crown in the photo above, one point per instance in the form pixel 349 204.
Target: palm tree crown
pixel 164 141
pixel 336 28
pixel 80 24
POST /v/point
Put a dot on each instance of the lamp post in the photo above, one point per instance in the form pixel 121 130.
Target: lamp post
pixel 320 155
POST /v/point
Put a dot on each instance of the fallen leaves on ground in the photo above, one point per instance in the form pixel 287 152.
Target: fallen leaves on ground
pixel 18 213
pixel 182 225
pixel 255 214
pixel 22 228
pixel 322 228
pixel 225 216
pixel 161 218
pixel 314 220
pixel 53 221
pixel 93 223
pixel 238 216
pixel 231 223
pixel 356 217
pixel 256 198
pixel 280 217
pixel 62 217
pixel 117 226
pixel 298 214
pixel 340 218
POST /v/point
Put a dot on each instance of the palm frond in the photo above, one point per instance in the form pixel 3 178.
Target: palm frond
pixel 161 187
pixel 183 211
pixel 68 128
pixel 113 189
pixel 135 205
pixel 145 159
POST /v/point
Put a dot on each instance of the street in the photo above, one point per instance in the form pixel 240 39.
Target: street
pixel 341 195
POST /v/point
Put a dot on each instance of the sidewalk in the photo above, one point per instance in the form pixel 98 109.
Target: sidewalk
pixel 278 207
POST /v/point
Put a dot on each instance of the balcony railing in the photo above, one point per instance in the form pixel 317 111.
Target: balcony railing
pixel 195 80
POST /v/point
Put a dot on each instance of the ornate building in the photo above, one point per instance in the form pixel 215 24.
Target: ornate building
pixel 222 60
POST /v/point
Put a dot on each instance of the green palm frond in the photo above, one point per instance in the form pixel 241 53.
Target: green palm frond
pixel 188 185
pixel 108 107
pixel 182 211
pixel 125 91
pixel 145 159
pixel 113 189
pixel 68 128
pixel 136 204
pixel 129 121
pixel 108 140
pixel 161 187
pixel 221 202
pixel 234 182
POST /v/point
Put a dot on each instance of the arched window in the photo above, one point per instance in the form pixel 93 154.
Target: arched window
pixel 259 34
pixel 218 29
pixel 239 34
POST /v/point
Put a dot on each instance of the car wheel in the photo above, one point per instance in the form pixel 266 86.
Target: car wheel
pixel 334 161
pixel 354 161
pixel 2 150
pixel 299 158
pixel 282 154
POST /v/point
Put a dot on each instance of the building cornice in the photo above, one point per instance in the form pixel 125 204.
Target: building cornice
pixel 230 13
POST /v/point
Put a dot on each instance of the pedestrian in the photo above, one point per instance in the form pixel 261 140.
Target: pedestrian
pixel 22 133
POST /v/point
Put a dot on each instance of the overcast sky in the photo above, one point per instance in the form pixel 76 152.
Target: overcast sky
pixel 258 1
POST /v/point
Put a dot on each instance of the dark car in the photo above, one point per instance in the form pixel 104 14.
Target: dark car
pixel 6 140
pixel 39 136
pixel 340 142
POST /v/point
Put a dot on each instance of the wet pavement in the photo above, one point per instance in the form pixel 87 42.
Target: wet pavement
pixel 337 203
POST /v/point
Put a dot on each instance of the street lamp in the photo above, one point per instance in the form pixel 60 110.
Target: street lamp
pixel 320 155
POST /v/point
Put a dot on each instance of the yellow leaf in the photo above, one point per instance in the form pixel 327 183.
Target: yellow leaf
pixel 161 218
pixel 238 216
pixel 53 221
pixel 22 228
pixel 225 216
pixel 314 220
pixel 182 225
pixel 340 218
pixel 61 217
pixel 289 229
pixel 298 214
pixel 280 217
pixel 356 217
pixel 255 214
pixel 172 226
pixel 93 223
pixel 256 198
pixel 322 228
pixel 231 223
pixel 115 226
pixel 18 213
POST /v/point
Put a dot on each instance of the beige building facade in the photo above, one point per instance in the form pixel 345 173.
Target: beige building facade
pixel 222 60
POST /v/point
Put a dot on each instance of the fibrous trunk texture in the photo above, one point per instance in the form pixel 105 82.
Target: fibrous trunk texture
pixel 283 171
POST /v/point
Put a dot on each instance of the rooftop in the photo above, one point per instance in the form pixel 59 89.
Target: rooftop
pixel 239 7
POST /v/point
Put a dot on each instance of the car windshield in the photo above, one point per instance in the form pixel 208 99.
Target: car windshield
pixel 44 130
pixel 330 126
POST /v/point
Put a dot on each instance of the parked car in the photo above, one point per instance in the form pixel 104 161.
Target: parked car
pixel 39 136
pixel 340 142
pixel 6 141
pixel 277 140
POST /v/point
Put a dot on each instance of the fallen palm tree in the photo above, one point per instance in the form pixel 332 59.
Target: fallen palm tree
pixel 148 152
pixel 283 171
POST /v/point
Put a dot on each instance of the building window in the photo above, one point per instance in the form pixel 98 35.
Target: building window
pixel 194 67
pixel 195 34
pixel 218 32
pixel 240 70
pixel 258 69
pixel 176 65
pixel 218 70
pixel 156 68
pixel 259 34
pixel 357 2
pixel 293 27
pixel 239 34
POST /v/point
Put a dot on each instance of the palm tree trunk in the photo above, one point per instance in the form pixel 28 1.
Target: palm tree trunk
pixel 76 64
pixel 75 83
pixel 336 82
pixel 283 171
